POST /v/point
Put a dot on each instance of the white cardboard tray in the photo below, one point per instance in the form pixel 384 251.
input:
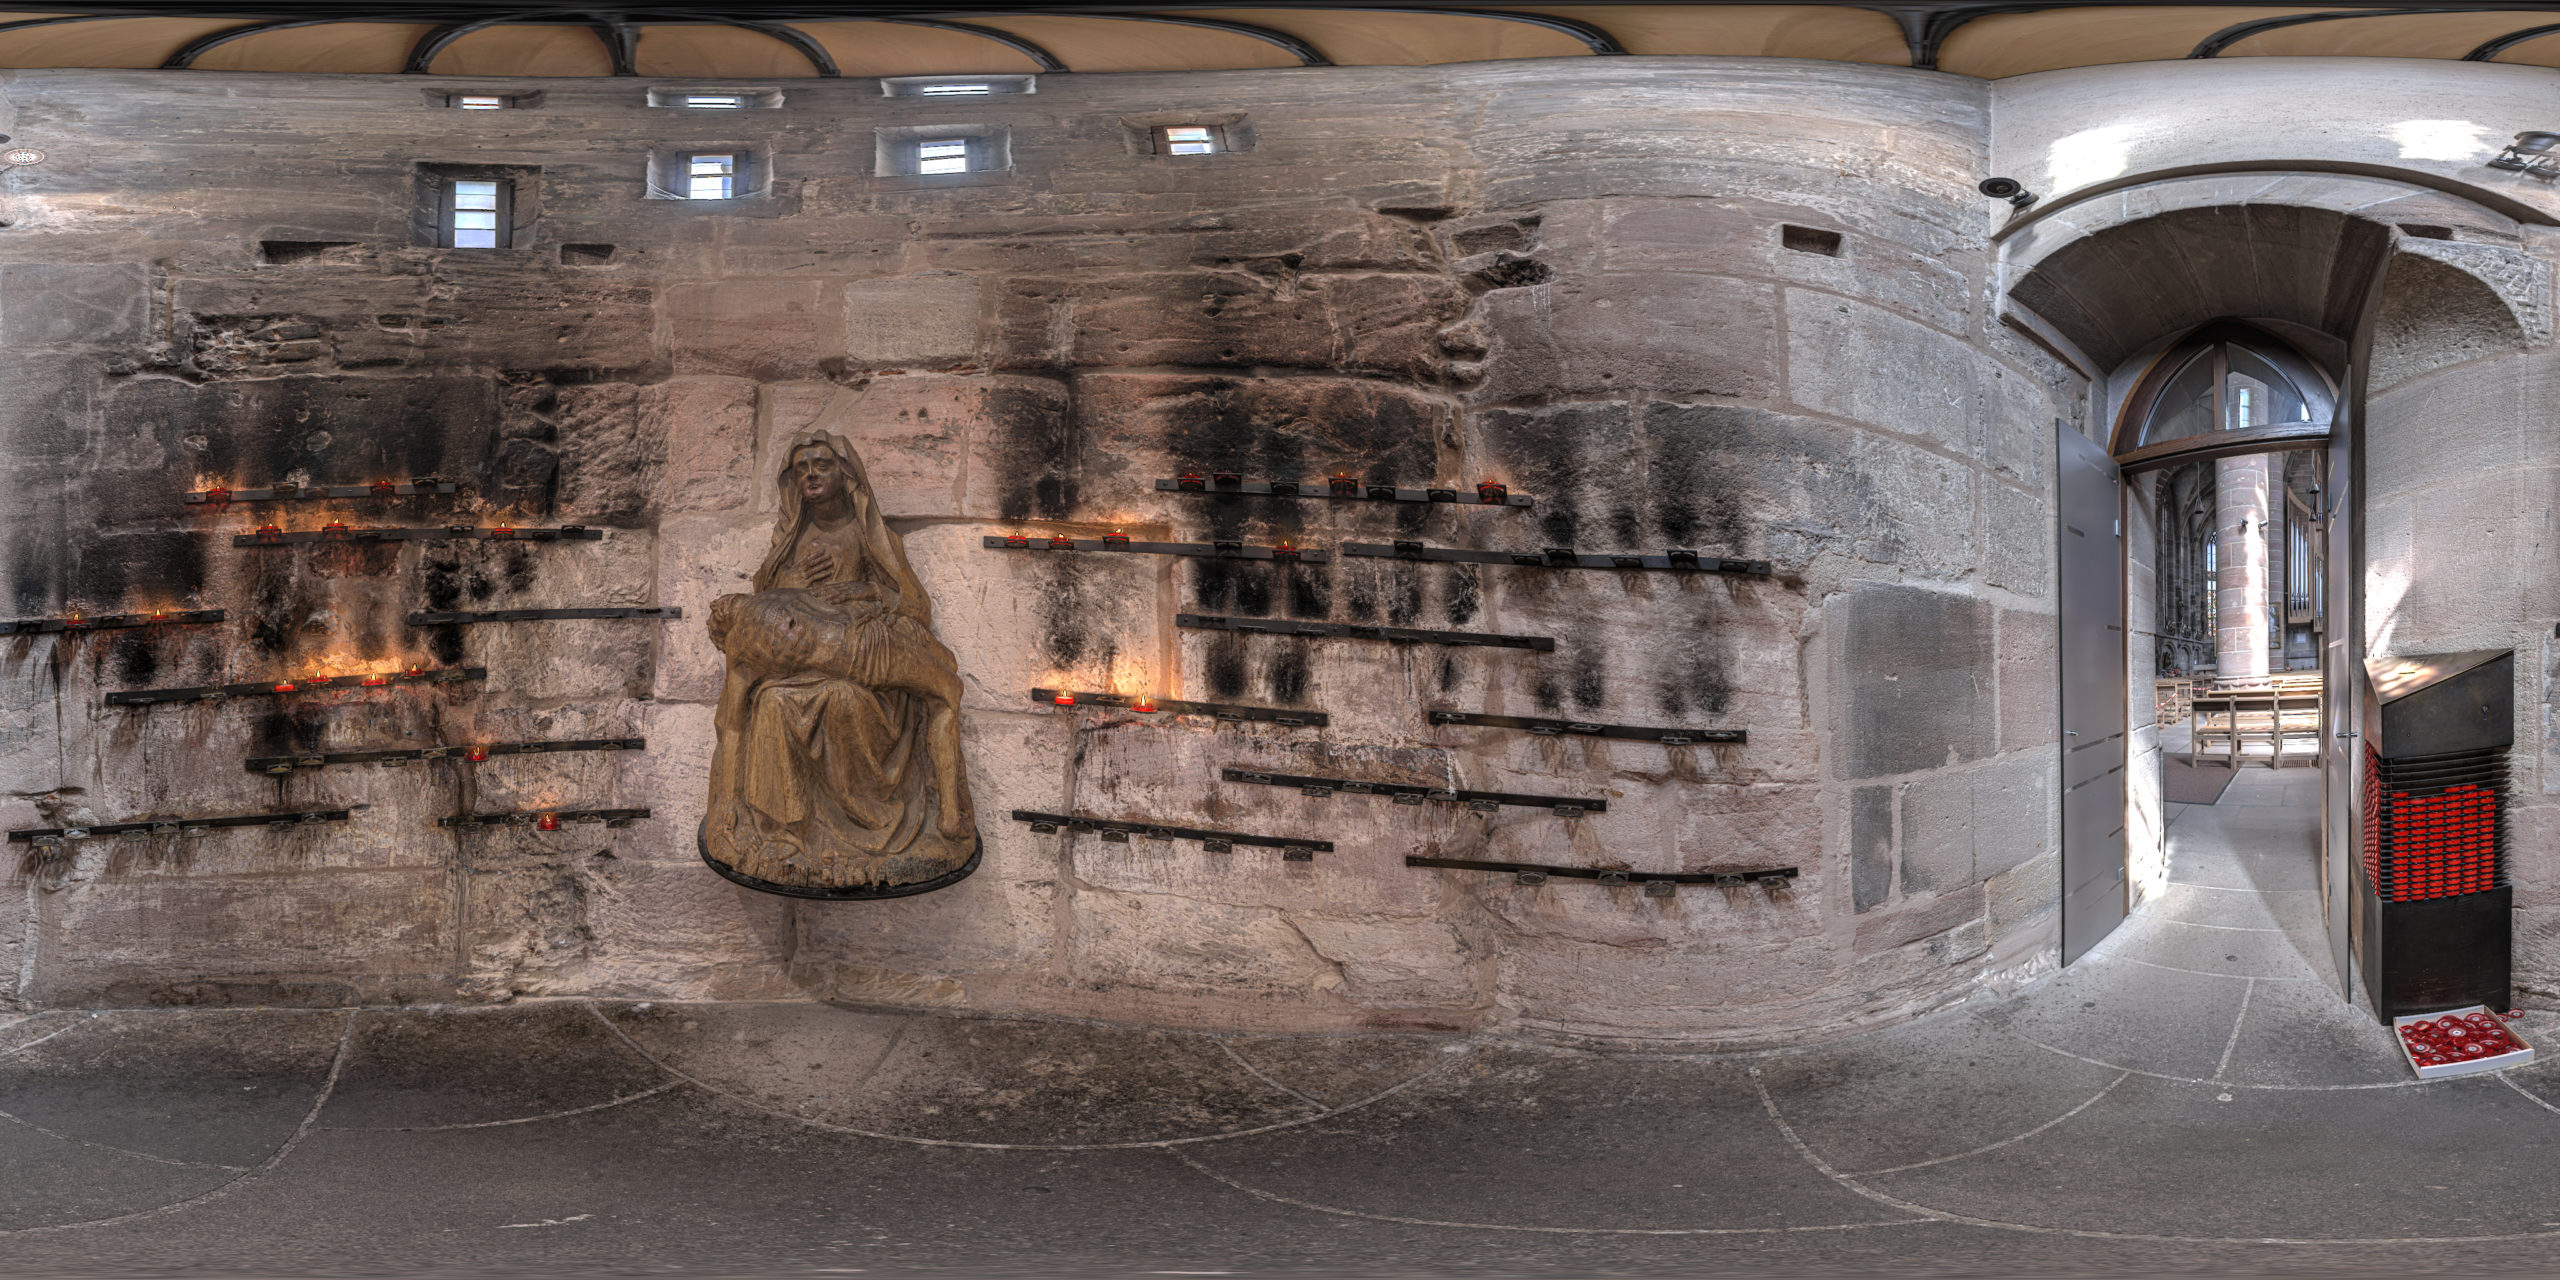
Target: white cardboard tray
pixel 2469 1066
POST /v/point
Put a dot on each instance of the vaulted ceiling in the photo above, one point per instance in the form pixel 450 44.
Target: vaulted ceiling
pixel 721 39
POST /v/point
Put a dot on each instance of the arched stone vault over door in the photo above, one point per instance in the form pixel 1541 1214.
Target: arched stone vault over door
pixel 2432 313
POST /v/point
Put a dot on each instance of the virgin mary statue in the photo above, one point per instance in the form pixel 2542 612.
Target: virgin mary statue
pixel 837 770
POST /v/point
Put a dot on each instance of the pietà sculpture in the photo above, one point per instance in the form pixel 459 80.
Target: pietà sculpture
pixel 837 771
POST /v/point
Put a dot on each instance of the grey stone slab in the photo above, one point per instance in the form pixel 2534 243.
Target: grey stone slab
pixel 1937 833
pixel 800 1059
pixel 215 1087
pixel 2305 1035
pixel 1056 1083
pixel 53 1181
pixel 964 1080
pixel 2463 1158
pixel 2130 1015
pixel 1339 1070
pixel 1871 859
pixel 2257 873
pixel 61 304
pixel 683 1183
pixel 1531 1139
pixel 1924 1092
pixel 1909 664
pixel 434 1068
pixel 2234 908
pixel 2231 952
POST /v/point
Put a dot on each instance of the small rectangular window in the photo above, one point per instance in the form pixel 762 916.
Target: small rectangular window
pixel 484 99
pixel 956 86
pixel 716 97
pixel 474 214
pixel 1190 140
pixel 711 177
pixel 943 155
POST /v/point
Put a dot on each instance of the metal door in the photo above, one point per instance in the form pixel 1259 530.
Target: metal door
pixel 2341 636
pixel 2091 562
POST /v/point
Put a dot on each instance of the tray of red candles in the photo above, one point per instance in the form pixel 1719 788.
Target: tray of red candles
pixel 2459 1042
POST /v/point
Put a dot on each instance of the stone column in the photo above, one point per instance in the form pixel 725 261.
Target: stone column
pixel 2240 608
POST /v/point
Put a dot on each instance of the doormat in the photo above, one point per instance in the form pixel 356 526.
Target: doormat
pixel 2181 783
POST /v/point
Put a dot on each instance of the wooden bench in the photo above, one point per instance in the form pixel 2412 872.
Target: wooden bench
pixel 2284 713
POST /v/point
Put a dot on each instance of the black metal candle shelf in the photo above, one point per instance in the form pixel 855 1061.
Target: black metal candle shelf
pixel 290 492
pixel 545 819
pixel 1292 849
pixel 1342 488
pixel 178 826
pixel 1589 729
pixel 1176 706
pixel 110 621
pixel 218 692
pixel 1657 884
pixel 1408 793
pixel 1357 631
pixel 1677 559
pixel 272 536
pixel 1284 553
pixel 468 618
pixel 397 757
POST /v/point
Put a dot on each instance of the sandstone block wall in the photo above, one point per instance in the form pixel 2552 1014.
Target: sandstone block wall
pixel 1572 277
pixel 2462 475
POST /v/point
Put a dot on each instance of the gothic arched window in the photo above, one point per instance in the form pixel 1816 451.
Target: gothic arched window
pixel 2227 389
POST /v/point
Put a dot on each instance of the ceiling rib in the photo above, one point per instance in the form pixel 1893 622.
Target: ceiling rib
pixel 1040 57
pixel 1925 27
pixel 621 42
pixel 47 22
pixel 423 53
pixel 1592 37
pixel 799 40
pixel 187 53
pixel 2213 45
pixel 2508 41
pixel 1306 54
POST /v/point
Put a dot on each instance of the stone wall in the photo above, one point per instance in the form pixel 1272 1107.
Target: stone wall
pixel 2462 476
pixel 1576 278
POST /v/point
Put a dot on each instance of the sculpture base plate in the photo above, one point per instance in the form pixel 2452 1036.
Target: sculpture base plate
pixel 702 845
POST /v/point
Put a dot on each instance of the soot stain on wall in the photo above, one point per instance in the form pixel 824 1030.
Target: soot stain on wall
pixel 135 660
pixel 1243 588
pixel 138 571
pixel 1310 590
pixel 1464 586
pixel 1286 673
pixel 444 644
pixel 1692 456
pixel 1223 661
pixel 1035 452
pixel 1068 605
pixel 1360 592
pixel 1695 673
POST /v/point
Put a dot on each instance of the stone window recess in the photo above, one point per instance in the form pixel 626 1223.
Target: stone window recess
pixel 1187 133
pixel 467 100
pixel 711 173
pixel 956 86
pixel 941 150
pixel 716 99
pixel 473 206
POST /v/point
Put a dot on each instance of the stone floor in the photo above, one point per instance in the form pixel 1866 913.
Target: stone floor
pixel 2194 1095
